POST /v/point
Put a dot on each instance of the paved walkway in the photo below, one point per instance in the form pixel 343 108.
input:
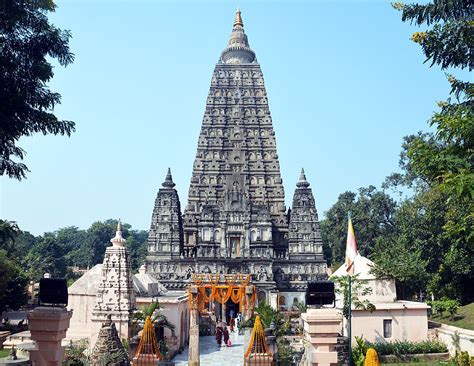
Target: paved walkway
pixel 211 354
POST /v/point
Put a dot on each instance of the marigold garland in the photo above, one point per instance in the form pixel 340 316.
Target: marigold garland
pixel 257 350
pixel 230 279
pixel 209 291
pixel 246 281
pixel 148 351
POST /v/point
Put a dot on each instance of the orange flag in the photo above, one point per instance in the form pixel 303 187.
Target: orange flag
pixel 351 247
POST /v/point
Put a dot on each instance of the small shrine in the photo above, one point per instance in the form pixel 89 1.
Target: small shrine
pixel 148 351
pixel 108 348
pixel 258 352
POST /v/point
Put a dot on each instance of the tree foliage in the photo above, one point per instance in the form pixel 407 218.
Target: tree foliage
pixel 372 216
pixel 56 252
pixel 435 228
pixel 359 287
pixel 27 42
pixel 449 41
pixel 13 281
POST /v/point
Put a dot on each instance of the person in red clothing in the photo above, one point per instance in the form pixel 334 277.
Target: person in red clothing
pixel 219 334
pixel 226 335
pixel 232 324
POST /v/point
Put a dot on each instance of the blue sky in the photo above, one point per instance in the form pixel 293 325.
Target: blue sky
pixel 344 82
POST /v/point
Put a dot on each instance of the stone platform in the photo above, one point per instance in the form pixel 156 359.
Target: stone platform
pixel 212 355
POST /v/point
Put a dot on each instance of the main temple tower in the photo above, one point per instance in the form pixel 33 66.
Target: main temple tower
pixel 236 184
pixel 235 219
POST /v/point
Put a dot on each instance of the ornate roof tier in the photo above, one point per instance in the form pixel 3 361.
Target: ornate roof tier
pixel 238 50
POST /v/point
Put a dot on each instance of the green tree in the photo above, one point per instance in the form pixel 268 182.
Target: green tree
pixel 9 231
pixel 27 43
pixel 441 164
pixel 46 256
pixel 270 316
pixel 449 41
pixel 372 216
pixel 136 245
pixel 12 280
pixel 359 287
pixel 98 239
pixel 13 284
pixel 394 259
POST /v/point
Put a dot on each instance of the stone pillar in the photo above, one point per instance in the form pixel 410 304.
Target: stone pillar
pixel 248 301
pixel 48 326
pixel 321 331
pixel 224 309
pixel 273 299
pixel 193 354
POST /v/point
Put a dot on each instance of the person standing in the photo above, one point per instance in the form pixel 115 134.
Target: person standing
pixel 219 333
pixel 226 335
pixel 232 324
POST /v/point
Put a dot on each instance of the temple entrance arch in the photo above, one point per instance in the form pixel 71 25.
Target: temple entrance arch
pixel 232 309
pixel 215 296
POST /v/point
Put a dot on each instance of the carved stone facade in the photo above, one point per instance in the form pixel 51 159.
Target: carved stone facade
pixel 108 350
pixel 115 297
pixel 165 237
pixel 236 219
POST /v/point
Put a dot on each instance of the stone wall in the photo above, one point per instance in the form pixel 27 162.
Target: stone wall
pixel 342 349
pixel 455 338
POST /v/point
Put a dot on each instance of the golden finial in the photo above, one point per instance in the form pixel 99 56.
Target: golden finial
pixel 238 19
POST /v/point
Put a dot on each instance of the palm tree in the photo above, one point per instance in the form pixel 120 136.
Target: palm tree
pixel 157 318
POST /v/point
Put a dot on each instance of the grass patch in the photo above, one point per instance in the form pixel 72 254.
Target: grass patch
pixel 4 352
pixel 463 319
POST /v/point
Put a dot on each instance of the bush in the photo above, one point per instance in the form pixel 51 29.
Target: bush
pixel 445 304
pixel 359 351
pixel 408 348
pixel 462 359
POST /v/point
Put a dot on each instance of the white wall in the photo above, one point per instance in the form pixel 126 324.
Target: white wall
pixel 446 333
pixel 407 324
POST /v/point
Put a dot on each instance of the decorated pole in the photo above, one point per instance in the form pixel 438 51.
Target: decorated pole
pixel 350 320
pixel 351 254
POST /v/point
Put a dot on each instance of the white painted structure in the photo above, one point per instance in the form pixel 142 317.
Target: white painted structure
pixel 82 295
pixel 110 289
pixel 392 320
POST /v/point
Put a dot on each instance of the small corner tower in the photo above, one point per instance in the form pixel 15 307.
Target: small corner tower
pixel 304 239
pixel 165 238
pixel 115 295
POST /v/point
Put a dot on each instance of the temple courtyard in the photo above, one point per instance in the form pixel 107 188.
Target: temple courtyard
pixel 211 354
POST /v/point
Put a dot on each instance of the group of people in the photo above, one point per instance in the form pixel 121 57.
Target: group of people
pixel 222 332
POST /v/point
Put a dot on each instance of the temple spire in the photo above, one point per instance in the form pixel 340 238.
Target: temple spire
pixel 168 183
pixel 118 240
pixel 238 50
pixel 238 19
pixel 302 183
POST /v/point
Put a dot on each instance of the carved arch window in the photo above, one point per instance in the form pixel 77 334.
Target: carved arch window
pixel 253 235
pixel 282 300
